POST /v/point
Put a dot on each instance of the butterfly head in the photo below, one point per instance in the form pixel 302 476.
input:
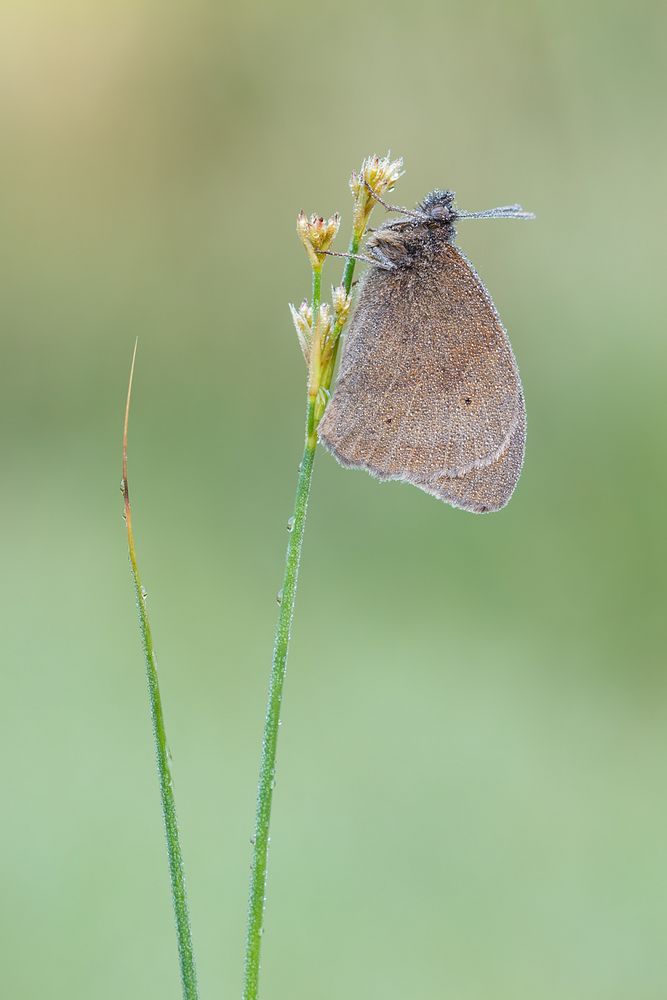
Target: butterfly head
pixel 403 242
pixel 439 206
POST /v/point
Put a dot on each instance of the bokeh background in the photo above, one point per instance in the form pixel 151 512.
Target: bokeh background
pixel 471 785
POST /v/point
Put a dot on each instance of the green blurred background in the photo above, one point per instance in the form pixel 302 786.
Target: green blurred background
pixel 471 783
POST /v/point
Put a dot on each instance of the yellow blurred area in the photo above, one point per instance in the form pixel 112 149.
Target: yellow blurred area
pixel 470 799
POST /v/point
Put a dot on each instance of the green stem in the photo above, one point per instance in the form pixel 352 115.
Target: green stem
pixel 178 892
pixel 348 274
pixel 353 248
pixel 314 368
pixel 183 933
pixel 317 291
pixel 267 768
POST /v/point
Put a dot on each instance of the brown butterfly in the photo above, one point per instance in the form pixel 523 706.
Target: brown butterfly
pixel 428 390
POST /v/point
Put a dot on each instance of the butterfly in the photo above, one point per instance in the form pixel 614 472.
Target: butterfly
pixel 429 390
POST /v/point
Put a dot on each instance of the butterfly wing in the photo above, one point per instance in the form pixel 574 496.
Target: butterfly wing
pixel 428 387
pixel 490 487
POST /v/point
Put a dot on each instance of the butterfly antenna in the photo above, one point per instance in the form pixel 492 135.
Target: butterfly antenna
pixel 503 212
pixel 394 208
pixel 350 256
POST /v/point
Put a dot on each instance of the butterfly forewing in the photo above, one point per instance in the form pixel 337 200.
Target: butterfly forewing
pixel 428 388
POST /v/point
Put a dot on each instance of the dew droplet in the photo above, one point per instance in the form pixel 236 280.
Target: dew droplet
pixel 290 523
pixel 144 593
pixel 279 597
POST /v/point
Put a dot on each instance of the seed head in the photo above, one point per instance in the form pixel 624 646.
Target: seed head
pixel 317 234
pixel 379 174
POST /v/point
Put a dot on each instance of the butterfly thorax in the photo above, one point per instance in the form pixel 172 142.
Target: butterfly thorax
pixel 404 243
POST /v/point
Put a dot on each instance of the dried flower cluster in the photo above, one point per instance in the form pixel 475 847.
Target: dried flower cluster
pixel 317 234
pixel 318 326
pixel 378 175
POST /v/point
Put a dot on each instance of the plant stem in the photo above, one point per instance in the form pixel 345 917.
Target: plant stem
pixel 314 366
pixel 267 769
pixel 184 935
pixel 353 248
pixel 348 274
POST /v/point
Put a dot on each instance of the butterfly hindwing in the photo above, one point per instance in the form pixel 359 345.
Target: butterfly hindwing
pixel 488 488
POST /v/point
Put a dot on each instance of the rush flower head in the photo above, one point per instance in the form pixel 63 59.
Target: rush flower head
pixel 380 175
pixel 341 304
pixel 303 324
pixel 324 328
pixel 317 234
